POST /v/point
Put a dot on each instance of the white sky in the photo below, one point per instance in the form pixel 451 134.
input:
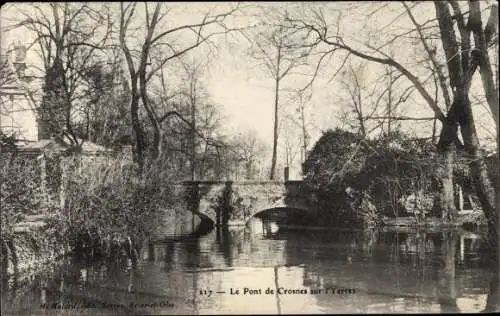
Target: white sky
pixel 245 93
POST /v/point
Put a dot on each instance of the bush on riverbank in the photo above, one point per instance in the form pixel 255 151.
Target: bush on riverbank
pixel 348 171
pixel 109 209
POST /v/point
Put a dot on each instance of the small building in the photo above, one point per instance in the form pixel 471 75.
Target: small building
pixel 17 105
pixel 20 120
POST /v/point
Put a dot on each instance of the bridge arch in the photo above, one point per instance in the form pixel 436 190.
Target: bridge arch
pixel 206 219
pixel 282 212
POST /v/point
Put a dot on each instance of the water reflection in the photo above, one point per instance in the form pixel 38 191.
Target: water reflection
pixel 388 271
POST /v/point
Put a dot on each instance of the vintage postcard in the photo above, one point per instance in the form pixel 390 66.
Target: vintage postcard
pixel 208 158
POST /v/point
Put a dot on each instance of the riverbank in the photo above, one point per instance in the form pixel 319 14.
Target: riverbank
pixel 468 218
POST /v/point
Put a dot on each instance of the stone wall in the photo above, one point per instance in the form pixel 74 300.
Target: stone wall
pixel 33 246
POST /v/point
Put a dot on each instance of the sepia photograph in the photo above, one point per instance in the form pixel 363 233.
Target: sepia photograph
pixel 210 158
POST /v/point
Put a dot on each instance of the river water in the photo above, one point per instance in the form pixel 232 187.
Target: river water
pixel 270 269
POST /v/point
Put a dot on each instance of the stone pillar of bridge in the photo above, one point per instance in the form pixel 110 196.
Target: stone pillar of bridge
pixel 225 208
pixel 192 196
pixel 287 173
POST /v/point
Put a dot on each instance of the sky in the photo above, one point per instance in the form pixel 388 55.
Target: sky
pixel 244 91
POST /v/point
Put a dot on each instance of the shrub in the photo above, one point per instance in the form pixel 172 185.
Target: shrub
pixel 383 171
pixel 109 204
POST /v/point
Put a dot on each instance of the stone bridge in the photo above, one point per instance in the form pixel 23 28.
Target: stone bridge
pixel 228 203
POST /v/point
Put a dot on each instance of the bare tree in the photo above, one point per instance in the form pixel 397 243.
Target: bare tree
pixel 275 51
pixel 353 84
pixel 369 104
pixel 192 94
pixel 159 37
pixel 249 150
pixel 463 61
pixel 305 136
pixel 191 122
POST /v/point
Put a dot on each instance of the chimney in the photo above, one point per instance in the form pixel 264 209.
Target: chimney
pixel 20 59
pixel 43 127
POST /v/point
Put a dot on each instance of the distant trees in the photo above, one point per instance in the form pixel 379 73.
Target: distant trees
pixel 87 49
pixel 251 153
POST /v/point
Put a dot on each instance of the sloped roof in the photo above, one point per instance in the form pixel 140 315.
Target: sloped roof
pixel 41 145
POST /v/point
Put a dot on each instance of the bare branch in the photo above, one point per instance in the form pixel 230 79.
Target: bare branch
pixel 431 52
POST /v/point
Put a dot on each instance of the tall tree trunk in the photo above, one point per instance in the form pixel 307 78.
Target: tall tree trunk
pixel 155 148
pixel 275 130
pixel 479 173
pixel 493 301
pixel 446 150
pixel 304 136
pixel 389 104
pixel 138 131
pixel 434 130
pixel 461 69
pixel 193 137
